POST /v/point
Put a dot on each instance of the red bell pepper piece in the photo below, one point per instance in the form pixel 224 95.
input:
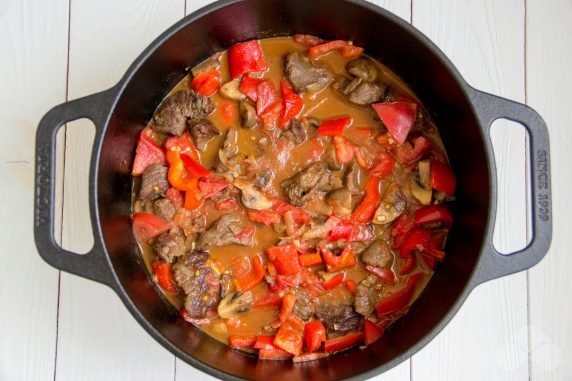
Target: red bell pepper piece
pixel 371 332
pixel 290 335
pixel 343 230
pixel 266 96
pixel 287 306
pixel 311 259
pixel 226 205
pixel 344 149
pixel 417 239
pixel 249 85
pixel 229 112
pixel 147 226
pixel 147 153
pixel 300 216
pixel 346 48
pixel 162 271
pixel 193 198
pixel 307 39
pixel 351 52
pixel 175 196
pixel 194 168
pixel 334 281
pixel 442 178
pixel 434 214
pixel 271 115
pixel 314 335
pixel 268 300
pixel 284 258
pixel 343 342
pixel 264 342
pixel 247 272
pixel 384 166
pixel 407 265
pixel 364 212
pixel 273 354
pixel 311 284
pixel 246 57
pixel 206 83
pixel 333 127
pixel 212 185
pixel 398 118
pixel 408 155
pixel 351 286
pixel 265 217
pixel 336 263
pixel 185 145
pixel 399 299
pixel 292 104
pixel 402 225
pixel 384 274
pixel 242 341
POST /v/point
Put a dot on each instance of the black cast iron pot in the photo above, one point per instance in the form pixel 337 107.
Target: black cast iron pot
pixel 462 113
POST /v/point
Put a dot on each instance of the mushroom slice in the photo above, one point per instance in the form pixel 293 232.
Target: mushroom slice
pixel 234 303
pixel 231 90
pixel 247 114
pixel 251 198
pixel 422 194
pixel 391 206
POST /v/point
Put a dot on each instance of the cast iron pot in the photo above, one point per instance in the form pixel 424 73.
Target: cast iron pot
pixel 462 113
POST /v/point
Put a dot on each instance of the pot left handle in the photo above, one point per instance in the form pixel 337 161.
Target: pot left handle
pixel 92 265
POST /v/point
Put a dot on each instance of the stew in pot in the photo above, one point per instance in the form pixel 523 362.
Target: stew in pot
pixel 290 197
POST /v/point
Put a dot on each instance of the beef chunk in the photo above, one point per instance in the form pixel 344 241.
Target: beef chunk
pixel 225 231
pixel 341 201
pixel 314 180
pixel 164 208
pixel 154 182
pixel 353 177
pixel 295 132
pixel 339 319
pixel 303 75
pixel 362 68
pixel 169 246
pixel 172 115
pixel 263 178
pixel 367 295
pixel 199 282
pixel 377 254
pixel 394 203
pixel 303 306
pixel 202 132
pixel 367 93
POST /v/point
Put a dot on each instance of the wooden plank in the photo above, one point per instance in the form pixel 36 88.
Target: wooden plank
pixel 488 339
pixel 98 339
pixel 549 90
pixel 33 35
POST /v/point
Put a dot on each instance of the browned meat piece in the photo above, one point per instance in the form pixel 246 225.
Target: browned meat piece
pixel 367 93
pixel 303 306
pixel 154 182
pixel 362 68
pixel 172 115
pixel 295 132
pixel 330 156
pixel 169 246
pixel 378 254
pixel 227 230
pixel 341 201
pixel 164 208
pixel 367 294
pixel 199 282
pixel 312 181
pixel 264 178
pixel 393 203
pixel 353 179
pixel 339 319
pixel 202 132
pixel 303 75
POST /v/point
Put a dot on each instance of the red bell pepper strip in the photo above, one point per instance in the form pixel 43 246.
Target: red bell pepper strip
pixel 334 281
pixel 147 153
pixel 346 48
pixel 442 178
pixel 290 335
pixel 271 115
pixel 434 214
pixel 336 263
pixel 399 299
pixel 269 300
pixel 351 286
pixel 177 173
pixel 162 271
pixel 273 354
pixel 344 342
pixel 343 230
pixel 206 83
pixel 333 127
pixel 194 168
pixel 175 196
pixel 246 57
pixel 248 86
pixel 364 212
pixel 247 272
pixel 212 185
pixel 307 39
pixel 311 259
pixel 284 258
pixel 398 118
pixel 266 96
pixel 265 217
pixel 287 306
pixel 407 265
pixel 292 104
pixel 311 284
pixel 371 332
pixel 384 274
pixel 147 226
pixel 185 145
pixel 401 227
pixel 417 239
pixel 344 149
pixel 351 52
pixel 192 198
pixel 360 158
pixel 242 341
pixel 384 166
pixel 314 335
pixel 281 206
pixel 264 342
pixel 408 155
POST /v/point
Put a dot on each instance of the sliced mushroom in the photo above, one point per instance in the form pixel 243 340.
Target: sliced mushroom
pixel 362 68
pixel 231 90
pixel 247 115
pixel 391 206
pixel 424 173
pixel 251 198
pixel 234 303
pixel 422 194
pixel 212 62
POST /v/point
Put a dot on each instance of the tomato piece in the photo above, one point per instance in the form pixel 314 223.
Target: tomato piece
pixel 266 96
pixel 364 212
pixel 442 178
pixel 307 39
pixel 147 226
pixel 265 217
pixel 384 274
pixel 314 335
pixel 402 225
pixel 399 299
pixel 407 265
pixel 336 263
pixel 292 104
pixel 264 342
pixel 333 127
pixel 247 272
pixel 248 86
pixel 334 281
pixel 351 286
pixel 229 112
pixel 344 149
pixel 290 335
pixel 287 306
pixel 397 117
pixel 434 214
pixel 206 83
pixel 351 52
pixel 346 48
pixel 269 300
pixel 300 216
pixel 311 259
pixel 271 115
pixel 417 239
pixel 273 354
pixel 175 196
pixel 343 230
pixel 212 185
pixel 343 342
pixel 371 332
pixel 384 166
pixel 193 167
pixel 408 155
pixel 284 258
pixel 147 153
pixel 162 270
pixel 246 57
pixel 242 341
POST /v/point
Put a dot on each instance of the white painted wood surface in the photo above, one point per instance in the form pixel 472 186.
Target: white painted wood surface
pixel 516 328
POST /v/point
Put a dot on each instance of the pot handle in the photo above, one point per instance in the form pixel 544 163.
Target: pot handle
pixel 493 264
pixel 92 265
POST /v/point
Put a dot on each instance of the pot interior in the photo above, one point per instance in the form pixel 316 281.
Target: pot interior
pixel 385 38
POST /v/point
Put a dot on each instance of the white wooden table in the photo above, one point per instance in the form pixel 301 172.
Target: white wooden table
pixel 55 326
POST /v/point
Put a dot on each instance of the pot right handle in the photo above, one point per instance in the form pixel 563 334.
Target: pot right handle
pixel 493 264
